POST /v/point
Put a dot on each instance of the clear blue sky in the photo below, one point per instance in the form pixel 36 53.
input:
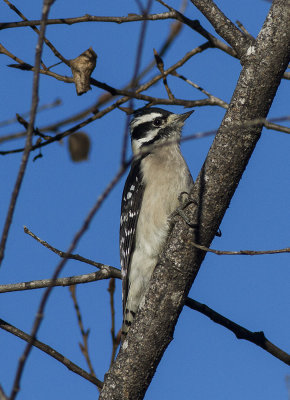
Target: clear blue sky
pixel 205 361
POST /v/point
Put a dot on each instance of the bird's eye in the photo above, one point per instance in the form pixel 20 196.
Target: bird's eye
pixel 157 122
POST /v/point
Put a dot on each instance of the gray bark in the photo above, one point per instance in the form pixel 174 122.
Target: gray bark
pixel 264 63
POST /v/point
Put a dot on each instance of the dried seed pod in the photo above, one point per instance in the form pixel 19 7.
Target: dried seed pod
pixel 82 68
pixel 79 145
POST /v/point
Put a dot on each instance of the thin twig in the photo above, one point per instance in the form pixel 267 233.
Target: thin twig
pixel 257 338
pixel 132 94
pixel 276 127
pixel 242 333
pixel 33 27
pixel 217 100
pixel 64 254
pixel 36 131
pixel 78 235
pixel 172 14
pixel 196 26
pixel 45 11
pixel 224 26
pixel 28 144
pixel 244 30
pixel 85 333
pixel 160 66
pixel 241 252
pixel 134 79
pixel 122 100
pixel 175 29
pixel 106 272
pixel 51 352
pixel 3 50
pixel 91 18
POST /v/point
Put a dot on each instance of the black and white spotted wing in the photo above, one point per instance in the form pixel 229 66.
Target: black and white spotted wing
pixel 131 203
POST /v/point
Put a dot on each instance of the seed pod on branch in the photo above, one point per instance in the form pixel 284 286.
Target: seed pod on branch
pixel 82 68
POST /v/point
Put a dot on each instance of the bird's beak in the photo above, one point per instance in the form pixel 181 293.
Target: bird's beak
pixel 180 118
pixel 183 117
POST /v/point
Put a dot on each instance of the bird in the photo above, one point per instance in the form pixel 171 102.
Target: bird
pixel 158 175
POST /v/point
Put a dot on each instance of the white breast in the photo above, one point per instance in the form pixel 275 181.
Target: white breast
pixel 165 175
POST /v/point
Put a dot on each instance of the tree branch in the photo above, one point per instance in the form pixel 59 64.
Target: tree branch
pixel 33 27
pixel 106 272
pixel 257 338
pixel 91 18
pixel 151 332
pixel 241 252
pixel 120 101
pixel 223 26
pixel 196 26
pixel 50 351
pixel 40 312
pixel 70 256
pixel 28 144
pixel 34 103
pixel 85 333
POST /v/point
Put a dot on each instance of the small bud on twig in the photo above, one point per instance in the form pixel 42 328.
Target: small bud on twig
pixel 160 66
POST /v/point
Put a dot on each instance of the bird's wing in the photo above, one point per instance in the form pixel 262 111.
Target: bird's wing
pixel 130 209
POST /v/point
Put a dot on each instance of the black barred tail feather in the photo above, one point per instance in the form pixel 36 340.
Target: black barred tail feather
pixel 129 315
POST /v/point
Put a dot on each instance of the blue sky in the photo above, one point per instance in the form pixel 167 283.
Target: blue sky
pixel 204 360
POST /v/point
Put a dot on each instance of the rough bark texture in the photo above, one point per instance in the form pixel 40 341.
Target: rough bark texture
pixel 264 64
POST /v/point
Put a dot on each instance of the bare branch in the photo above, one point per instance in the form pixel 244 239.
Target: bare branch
pixel 65 255
pixel 40 311
pixel 241 252
pixel 45 11
pixel 244 30
pixel 33 27
pixel 179 262
pixel 215 99
pixel 85 333
pixel 123 100
pixel 3 50
pixel 276 127
pixel 172 14
pixel 113 91
pixel 160 66
pixel 223 26
pixel 211 101
pixel 196 26
pixel 28 144
pixel 91 18
pixel 106 272
pixel 50 351
pixel 257 338
pixel 134 81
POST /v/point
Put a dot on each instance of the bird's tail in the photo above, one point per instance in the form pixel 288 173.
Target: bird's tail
pixel 127 322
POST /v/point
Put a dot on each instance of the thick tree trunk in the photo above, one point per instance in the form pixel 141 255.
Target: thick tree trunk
pixel 264 63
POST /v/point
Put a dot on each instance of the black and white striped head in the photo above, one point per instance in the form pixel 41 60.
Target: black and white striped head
pixel 155 126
